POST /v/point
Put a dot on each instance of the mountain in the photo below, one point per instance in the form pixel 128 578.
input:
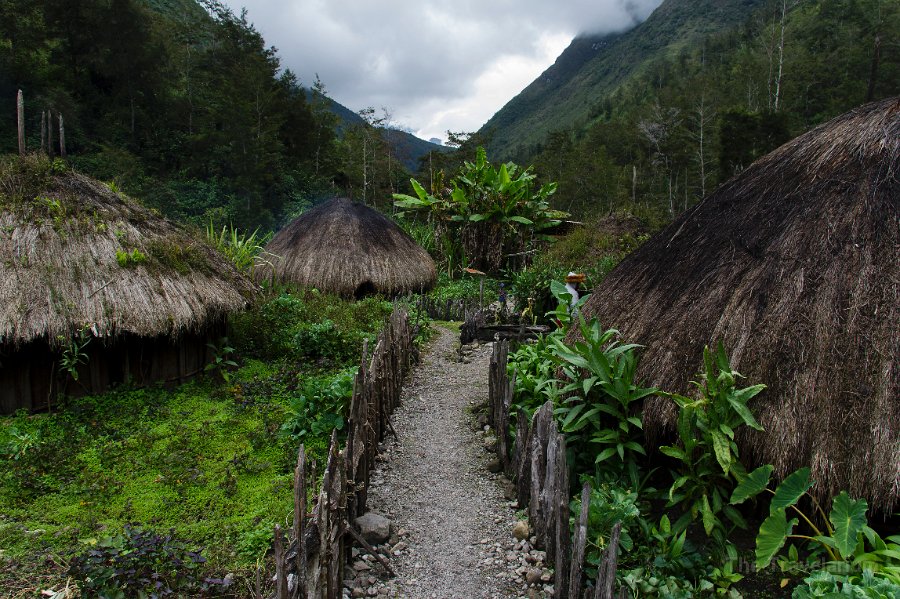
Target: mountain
pixel 593 66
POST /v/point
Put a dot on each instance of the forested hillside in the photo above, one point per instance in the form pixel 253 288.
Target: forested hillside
pixel 185 106
pixel 698 103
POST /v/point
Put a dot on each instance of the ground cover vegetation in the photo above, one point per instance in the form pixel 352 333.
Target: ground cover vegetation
pixel 684 532
pixel 181 486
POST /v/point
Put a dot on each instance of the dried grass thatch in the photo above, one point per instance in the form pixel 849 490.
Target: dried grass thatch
pixel 347 248
pixel 59 271
pixel 795 265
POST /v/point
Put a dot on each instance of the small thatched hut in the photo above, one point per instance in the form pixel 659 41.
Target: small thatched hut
pixel 347 248
pixel 795 265
pixel 79 260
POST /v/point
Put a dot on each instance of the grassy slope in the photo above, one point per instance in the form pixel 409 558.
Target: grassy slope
pixel 593 67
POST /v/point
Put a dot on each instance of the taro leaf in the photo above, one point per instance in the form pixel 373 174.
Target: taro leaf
pixel 709 519
pixel 753 485
pixel 791 489
pixel 772 534
pixel 848 517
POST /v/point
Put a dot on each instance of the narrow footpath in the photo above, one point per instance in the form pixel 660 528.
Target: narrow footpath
pixel 452 526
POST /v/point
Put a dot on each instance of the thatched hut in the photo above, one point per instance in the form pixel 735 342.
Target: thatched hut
pixel 347 248
pixel 795 265
pixel 78 260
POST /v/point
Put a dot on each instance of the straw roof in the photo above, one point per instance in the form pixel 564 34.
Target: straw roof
pixel 795 265
pixel 59 270
pixel 347 248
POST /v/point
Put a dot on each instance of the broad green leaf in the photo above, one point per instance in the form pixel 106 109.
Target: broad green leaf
pixel 722 449
pixel 605 454
pixel 673 452
pixel 791 489
pixel 738 403
pixel 475 218
pixel 709 519
pixel 521 220
pixel 420 191
pixel 848 517
pixel 772 534
pixel 753 485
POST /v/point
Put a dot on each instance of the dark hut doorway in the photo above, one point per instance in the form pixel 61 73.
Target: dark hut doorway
pixel 365 288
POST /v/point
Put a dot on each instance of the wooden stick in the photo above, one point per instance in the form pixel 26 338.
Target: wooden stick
pixel 43 131
pixel 369 548
pixel 299 515
pixel 577 563
pixel 50 150
pixel 280 574
pixel 62 137
pixel 606 574
pixel 20 112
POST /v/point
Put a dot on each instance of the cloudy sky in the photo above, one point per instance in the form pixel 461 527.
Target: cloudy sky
pixel 434 65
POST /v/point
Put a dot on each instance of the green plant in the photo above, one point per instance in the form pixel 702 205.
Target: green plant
pixel 609 504
pixel 842 534
pixel 822 583
pixel 320 407
pixel 244 250
pixel 130 259
pixel 490 214
pixel 709 467
pixel 74 354
pixel 141 563
pixel 598 413
pixel 221 361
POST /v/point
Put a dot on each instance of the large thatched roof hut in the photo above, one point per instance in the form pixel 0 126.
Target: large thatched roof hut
pixel 78 259
pixel 795 265
pixel 348 248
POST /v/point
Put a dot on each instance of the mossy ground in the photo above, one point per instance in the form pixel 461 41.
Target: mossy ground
pixel 208 459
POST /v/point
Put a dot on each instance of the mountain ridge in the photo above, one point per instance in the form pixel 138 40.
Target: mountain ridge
pixel 594 66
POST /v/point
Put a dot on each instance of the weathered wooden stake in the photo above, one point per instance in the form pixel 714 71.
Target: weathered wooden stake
pixel 43 132
pixel 280 574
pixel 62 137
pixel 577 563
pixel 20 113
pixel 50 150
pixel 606 574
pixel 299 516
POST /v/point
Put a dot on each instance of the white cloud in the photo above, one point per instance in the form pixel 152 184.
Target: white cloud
pixel 435 65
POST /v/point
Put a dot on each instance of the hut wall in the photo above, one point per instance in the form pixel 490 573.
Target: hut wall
pixel 30 378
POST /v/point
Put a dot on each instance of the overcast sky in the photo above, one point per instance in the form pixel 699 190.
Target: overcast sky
pixel 435 65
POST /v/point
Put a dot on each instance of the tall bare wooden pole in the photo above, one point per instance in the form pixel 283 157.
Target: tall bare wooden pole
pixel 50 150
pixel 20 111
pixel 62 137
pixel 43 131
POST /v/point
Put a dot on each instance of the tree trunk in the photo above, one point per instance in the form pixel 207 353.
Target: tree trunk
pixel 62 137
pixel 873 72
pixel 780 58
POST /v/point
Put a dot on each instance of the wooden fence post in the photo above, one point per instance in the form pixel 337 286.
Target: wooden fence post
pixel 20 114
pixel 43 132
pixel 577 565
pixel 606 573
pixel 299 516
pixel 50 150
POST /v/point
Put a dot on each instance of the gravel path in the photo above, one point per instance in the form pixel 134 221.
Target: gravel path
pixel 455 526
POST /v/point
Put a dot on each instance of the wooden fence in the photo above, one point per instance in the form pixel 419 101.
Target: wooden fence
pixel 310 558
pixel 451 309
pixel 537 460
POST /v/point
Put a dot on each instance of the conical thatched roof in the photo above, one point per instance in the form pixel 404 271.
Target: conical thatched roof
pixel 347 248
pixel 59 270
pixel 795 265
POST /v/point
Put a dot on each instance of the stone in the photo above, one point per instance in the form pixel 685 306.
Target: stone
pixel 494 465
pixel 490 443
pixel 533 575
pixel 520 530
pixel 374 528
pixel 357 592
pixel 361 566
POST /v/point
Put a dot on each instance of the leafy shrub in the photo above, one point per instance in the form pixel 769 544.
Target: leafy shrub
pixel 608 504
pixel 320 408
pixel 243 249
pixel 709 467
pixel 130 259
pixel 323 339
pixel 142 563
pixel 825 584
